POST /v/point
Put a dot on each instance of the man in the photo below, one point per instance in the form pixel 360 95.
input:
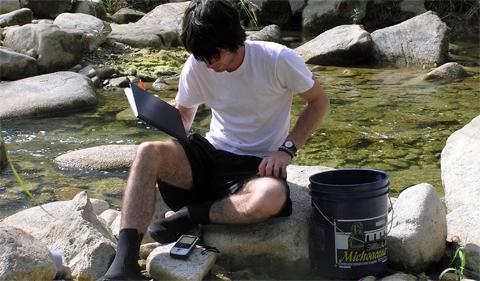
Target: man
pixel 237 174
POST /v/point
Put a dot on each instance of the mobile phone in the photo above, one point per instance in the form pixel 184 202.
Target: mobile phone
pixel 184 245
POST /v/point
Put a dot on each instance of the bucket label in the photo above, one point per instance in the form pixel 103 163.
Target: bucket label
pixel 365 243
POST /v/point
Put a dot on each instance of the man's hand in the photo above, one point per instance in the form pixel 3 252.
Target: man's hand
pixel 275 165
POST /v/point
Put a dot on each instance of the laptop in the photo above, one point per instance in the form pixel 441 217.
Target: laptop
pixel 156 112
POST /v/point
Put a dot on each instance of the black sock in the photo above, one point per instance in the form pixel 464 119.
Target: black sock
pixel 200 213
pixel 125 265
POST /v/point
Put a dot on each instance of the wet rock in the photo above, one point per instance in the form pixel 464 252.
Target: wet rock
pixel 105 157
pixel 163 267
pixel 417 238
pixel 342 45
pixel 46 94
pixel 14 65
pixel 159 28
pixel 97 83
pixel 463 225
pixel 119 82
pixel 47 8
pixel 89 71
pixel 72 228
pixel 272 12
pixel 448 72
pixel 7 6
pixel 54 48
pixel 126 15
pixel 132 71
pixel 22 257
pixel 94 29
pixel 104 72
pixel 90 7
pixel 422 40
pixel 270 33
pixel 460 166
pixel 17 17
pixel 160 86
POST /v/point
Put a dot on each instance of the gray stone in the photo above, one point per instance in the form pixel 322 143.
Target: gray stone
pixel 460 166
pixel 54 48
pixel 94 29
pixel 300 175
pixel 159 28
pixel 342 45
pixel 399 277
pixel 72 228
pixel 422 40
pixel 44 94
pixel 146 249
pixel 7 6
pixel 104 72
pixel 88 71
pixel 47 8
pixel 23 258
pixel 268 12
pixel 105 157
pixel 270 33
pixel 99 206
pixel 126 15
pixel 14 65
pixel 109 216
pixel 417 238
pixel 448 72
pixel 121 82
pixel 17 17
pixel 463 225
pixel 163 267
pixel 90 7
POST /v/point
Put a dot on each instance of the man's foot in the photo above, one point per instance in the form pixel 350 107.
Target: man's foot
pixel 168 230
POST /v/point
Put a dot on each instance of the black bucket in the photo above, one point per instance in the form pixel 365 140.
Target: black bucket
pixel 349 223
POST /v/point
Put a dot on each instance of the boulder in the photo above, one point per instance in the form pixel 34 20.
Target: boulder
pixel 448 72
pixel 47 8
pixel 95 30
pixel 14 65
pixel 159 28
pixel 417 238
pixel 460 166
pixel 17 17
pixel 147 6
pixel 94 8
pixel 268 12
pixel 72 228
pixel 46 94
pixel 109 216
pixel 342 45
pixel 422 40
pixel 126 15
pixel 23 258
pixel 463 225
pixel 7 6
pixel 54 48
pixel 105 157
pixel 99 206
pixel 163 267
pixel 321 15
pixel 270 33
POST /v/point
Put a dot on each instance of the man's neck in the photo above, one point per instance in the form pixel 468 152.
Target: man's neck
pixel 239 55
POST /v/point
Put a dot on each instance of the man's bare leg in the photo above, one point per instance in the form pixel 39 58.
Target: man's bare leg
pixel 260 199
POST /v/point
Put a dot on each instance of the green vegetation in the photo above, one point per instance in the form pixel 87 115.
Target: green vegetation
pixel 111 6
pixel 247 8
pixel 461 254
pixel 455 9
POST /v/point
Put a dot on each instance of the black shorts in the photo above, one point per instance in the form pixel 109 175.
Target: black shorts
pixel 216 174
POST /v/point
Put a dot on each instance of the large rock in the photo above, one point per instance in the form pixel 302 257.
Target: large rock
pixel 463 225
pixel 105 157
pixel 17 17
pixel 460 166
pixel 161 266
pixel 72 228
pixel 47 8
pixel 7 6
pixel 126 15
pixel 23 258
pixel 95 30
pixel 90 7
pixel 321 15
pixel 268 12
pixel 147 6
pixel 158 29
pixel 14 65
pixel 422 40
pixel 54 48
pixel 342 45
pixel 449 72
pixel 270 33
pixel 278 246
pixel 44 94
pixel 417 238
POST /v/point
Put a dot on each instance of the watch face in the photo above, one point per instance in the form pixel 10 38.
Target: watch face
pixel 289 144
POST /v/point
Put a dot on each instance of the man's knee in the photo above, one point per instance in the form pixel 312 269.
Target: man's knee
pixel 270 195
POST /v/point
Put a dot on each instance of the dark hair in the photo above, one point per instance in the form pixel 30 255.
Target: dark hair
pixel 211 25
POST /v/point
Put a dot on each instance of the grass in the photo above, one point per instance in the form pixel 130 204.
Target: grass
pixel 461 254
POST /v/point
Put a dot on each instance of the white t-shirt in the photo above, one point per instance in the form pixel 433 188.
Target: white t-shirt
pixel 251 105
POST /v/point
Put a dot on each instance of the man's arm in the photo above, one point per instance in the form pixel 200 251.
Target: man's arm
pixel 317 106
pixel 188 114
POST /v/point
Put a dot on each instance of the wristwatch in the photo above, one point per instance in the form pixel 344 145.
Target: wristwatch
pixel 289 147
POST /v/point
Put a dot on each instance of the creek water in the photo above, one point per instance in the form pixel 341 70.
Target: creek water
pixel 380 118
